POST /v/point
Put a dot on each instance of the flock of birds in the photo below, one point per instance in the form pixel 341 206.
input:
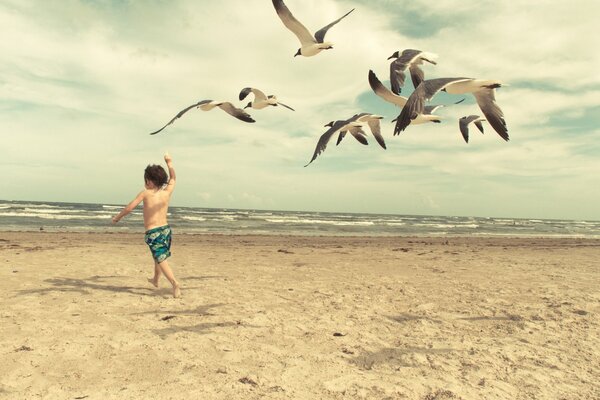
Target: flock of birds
pixel 413 109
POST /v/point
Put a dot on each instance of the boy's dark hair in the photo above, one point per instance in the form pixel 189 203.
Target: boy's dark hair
pixel 156 174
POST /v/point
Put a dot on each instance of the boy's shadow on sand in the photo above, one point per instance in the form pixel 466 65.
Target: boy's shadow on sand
pixel 83 286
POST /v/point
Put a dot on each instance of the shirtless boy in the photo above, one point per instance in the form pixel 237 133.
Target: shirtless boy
pixel 156 199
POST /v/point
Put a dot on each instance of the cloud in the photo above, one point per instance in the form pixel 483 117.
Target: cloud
pixel 84 83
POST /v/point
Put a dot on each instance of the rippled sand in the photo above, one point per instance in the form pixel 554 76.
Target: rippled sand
pixel 299 318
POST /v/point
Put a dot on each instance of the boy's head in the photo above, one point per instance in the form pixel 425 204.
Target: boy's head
pixel 155 174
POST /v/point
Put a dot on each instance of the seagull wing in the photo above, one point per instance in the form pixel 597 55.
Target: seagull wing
pixel 415 104
pixel 359 134
pixel 292 23
pixel 236 112
pixel 324 139
pixel 479 125
pixel 340 137
pixel 375 127
pixel 258 94
pixel 416 74
pixel 180 113
pixel 383 92
pixel 281 104
pixel 487 102
pixel 320 34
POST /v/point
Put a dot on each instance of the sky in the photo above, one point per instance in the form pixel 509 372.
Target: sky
pixel 84 82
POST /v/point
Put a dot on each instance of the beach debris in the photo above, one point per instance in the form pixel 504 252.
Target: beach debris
pixel 24 348
pixel 402 249
pixel 285 251
pixel 581 312
pixel 81 397
pixel 347 351
pixel 221 370
pixel 248 381
pixel 338 334
pixel 168 317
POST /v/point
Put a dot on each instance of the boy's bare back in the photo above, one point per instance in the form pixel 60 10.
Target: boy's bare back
pixel 156 200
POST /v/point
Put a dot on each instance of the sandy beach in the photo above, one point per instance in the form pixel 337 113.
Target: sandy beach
pixel 284 317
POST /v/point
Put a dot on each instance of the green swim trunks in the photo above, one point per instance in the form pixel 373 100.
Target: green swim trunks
pixel 159 241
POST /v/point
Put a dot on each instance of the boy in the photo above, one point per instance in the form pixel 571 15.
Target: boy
pixel 156 198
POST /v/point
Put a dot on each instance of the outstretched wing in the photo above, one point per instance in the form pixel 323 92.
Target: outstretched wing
pixel 375 127
pixel 180 113
pixel 324 139
pixel 236 112
pixel 281 104
pixel 320 34
pixel 383 92
pixel 398 66
pixel 292 23
pixel 487 102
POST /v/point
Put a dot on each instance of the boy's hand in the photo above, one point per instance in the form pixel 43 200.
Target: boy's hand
pixel 115 220
pixel 168 158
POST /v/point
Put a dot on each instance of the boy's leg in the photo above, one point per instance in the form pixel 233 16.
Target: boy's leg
pixel 164 266
pixel 157 273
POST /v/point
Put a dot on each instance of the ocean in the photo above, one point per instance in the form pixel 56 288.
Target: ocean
pixel 77 217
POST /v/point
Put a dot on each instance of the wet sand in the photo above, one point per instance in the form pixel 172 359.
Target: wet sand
pixel 284 317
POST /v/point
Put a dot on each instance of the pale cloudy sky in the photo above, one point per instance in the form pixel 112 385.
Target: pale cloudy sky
pixel 83 82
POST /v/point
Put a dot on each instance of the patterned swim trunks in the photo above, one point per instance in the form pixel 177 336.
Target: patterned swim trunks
pixel 159 241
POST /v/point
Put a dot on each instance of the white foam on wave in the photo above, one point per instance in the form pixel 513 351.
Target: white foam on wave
pixel 191 218
pixel 319 221
pixel 52 216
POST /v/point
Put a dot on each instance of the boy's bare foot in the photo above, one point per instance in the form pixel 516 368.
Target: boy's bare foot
pixel 154 282
pixel 176 291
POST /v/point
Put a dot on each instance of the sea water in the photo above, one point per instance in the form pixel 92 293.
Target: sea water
pixel 78 217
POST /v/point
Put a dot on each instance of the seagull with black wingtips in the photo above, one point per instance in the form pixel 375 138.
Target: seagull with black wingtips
pixel 464 122
pixel 310 45
pixel 386 94
pixel 261 100
pixel 207 105
pixel 411 59
pixel 484 92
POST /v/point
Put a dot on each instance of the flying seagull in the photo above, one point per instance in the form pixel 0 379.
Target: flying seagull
pixel 410 59
pixel 464 122
pixel 310 45
pixel 373 121
pixel 207 105
pixel 482 90
pixel 260 99
pixel 386 94
pixel 337 126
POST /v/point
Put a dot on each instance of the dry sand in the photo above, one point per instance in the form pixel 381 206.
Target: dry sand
pixel 299 318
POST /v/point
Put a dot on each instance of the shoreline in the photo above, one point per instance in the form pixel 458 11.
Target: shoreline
pixel 299 317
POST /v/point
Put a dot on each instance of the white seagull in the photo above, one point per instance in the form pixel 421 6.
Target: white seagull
pixel 310 45
pixel 483 91
pixel 373 121
pixel 464 122
pixel 207 105
pixel 386 94
pixel 410 59
pixel 260 99
pixel 337 126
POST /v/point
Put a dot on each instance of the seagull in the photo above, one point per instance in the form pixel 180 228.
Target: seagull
pixel 410 59
pixel 310 45
pixel 373 121
pixel 260 99
pixel 386 94
pixel 464 122
pixel 482 90
pixel 207 105
pixel 337 126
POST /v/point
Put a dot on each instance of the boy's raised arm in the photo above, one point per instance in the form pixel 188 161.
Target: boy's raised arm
pixel 171 184
pixel 129 207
